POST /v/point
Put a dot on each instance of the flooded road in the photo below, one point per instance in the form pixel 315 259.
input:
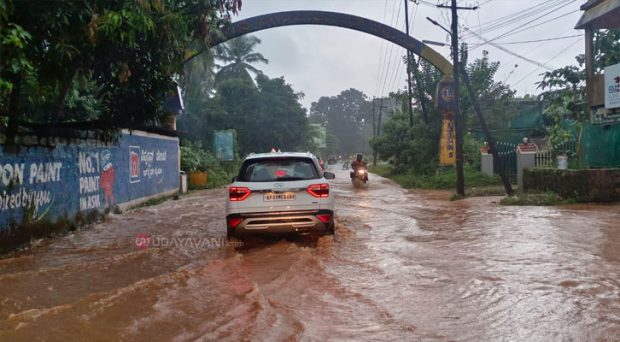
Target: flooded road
pixel 402 266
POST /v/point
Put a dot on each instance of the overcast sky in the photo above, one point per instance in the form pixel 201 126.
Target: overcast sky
pixel 323 61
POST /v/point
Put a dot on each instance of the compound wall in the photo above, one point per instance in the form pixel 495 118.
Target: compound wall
pixel 46 188
pixel 587 185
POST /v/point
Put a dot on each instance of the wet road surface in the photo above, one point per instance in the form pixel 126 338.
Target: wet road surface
pixel 402 266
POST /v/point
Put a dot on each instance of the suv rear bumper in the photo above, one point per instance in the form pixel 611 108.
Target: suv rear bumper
pixel 280 223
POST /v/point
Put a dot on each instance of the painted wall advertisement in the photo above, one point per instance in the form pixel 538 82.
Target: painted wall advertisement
pixel 41 183
pixel 612 86
pixel 225 145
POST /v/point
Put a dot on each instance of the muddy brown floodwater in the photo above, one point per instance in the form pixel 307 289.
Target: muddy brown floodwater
pixel 402 266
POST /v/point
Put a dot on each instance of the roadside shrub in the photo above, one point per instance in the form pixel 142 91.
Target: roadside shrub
pixel 194 158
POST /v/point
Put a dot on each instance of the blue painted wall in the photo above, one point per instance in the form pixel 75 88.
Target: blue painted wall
pixel 50 183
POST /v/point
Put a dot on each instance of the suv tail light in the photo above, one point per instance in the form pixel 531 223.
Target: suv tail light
pixel 237 194
pixel 318 190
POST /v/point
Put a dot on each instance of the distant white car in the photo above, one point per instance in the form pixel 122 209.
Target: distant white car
pixel 280 193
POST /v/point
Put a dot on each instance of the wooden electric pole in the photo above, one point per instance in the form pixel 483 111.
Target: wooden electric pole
pixel 458 120
pixel 374 133
pixel 408 65
pixel 380 114
pixel 487 134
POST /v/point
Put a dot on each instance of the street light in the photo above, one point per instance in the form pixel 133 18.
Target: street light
pixel 432 42
pixel 438 24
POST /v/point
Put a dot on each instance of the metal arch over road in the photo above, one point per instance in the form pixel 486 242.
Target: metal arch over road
pixel 290 18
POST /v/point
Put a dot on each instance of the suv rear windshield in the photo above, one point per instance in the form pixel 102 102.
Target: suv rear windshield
pixel 277 169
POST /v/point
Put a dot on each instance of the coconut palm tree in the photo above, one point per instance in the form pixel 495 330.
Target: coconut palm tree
pixel 239 55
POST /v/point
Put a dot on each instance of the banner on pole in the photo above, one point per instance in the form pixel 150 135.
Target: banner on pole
pixel 447 143
pixel 445 101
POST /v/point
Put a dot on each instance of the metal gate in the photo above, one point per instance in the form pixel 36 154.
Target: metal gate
pixel 507 153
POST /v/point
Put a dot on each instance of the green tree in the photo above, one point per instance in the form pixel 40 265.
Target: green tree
pixel 238 101
pixel 198 77
pixel 606 48
pixel 496 99
pixel 408 148
pixel 121 54
pixel 415 148
pixel 239 54
pixel 266 115
pixel 282 119
pixel 564 91
pixel 346 115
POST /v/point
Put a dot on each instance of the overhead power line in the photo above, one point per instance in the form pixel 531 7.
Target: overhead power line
pixel 519 29
pixel 512 18
pixel 508 51
pixel 391 50
pixel 545 22
pixel 484 3
pixel 381 52
pixel 549 60
pixel 424 2
pixel 393 83
pixel 540 40
pixel 531 50
pixel 386 56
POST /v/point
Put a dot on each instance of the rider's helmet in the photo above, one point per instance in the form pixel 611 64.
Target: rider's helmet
pixel 359 157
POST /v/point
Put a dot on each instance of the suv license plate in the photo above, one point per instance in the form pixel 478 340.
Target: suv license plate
pixel 284 196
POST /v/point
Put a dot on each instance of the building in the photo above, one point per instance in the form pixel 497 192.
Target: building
pixel 599 15
pixel 600 138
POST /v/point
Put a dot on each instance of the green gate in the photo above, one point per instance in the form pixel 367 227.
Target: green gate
pixel 507 153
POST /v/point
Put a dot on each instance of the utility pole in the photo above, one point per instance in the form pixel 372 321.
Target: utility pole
pixel 416 73
pixel 380 114
pixel 458 123
pixel 374 129
pixel 487 134
pixel 374 132
pixel 408 65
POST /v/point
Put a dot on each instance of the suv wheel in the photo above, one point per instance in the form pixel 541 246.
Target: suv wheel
pixel 330 229
pixel 231 236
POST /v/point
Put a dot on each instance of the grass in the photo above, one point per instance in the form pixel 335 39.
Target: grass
pixel 476 181
pixel 477 184
pixel 491 190
pixel 216 179
pixel 541 199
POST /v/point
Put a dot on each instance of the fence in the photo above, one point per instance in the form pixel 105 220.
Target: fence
pixel 507 153
pixel 547 157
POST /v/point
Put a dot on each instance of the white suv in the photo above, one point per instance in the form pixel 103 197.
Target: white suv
pixel 280 193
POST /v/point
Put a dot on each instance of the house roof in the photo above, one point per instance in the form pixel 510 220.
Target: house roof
pixel 600 14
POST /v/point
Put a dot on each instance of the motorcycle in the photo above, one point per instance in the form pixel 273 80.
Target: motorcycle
pixel 359 177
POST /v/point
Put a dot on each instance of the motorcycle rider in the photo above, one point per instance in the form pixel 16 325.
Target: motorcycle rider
pixel 359 163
